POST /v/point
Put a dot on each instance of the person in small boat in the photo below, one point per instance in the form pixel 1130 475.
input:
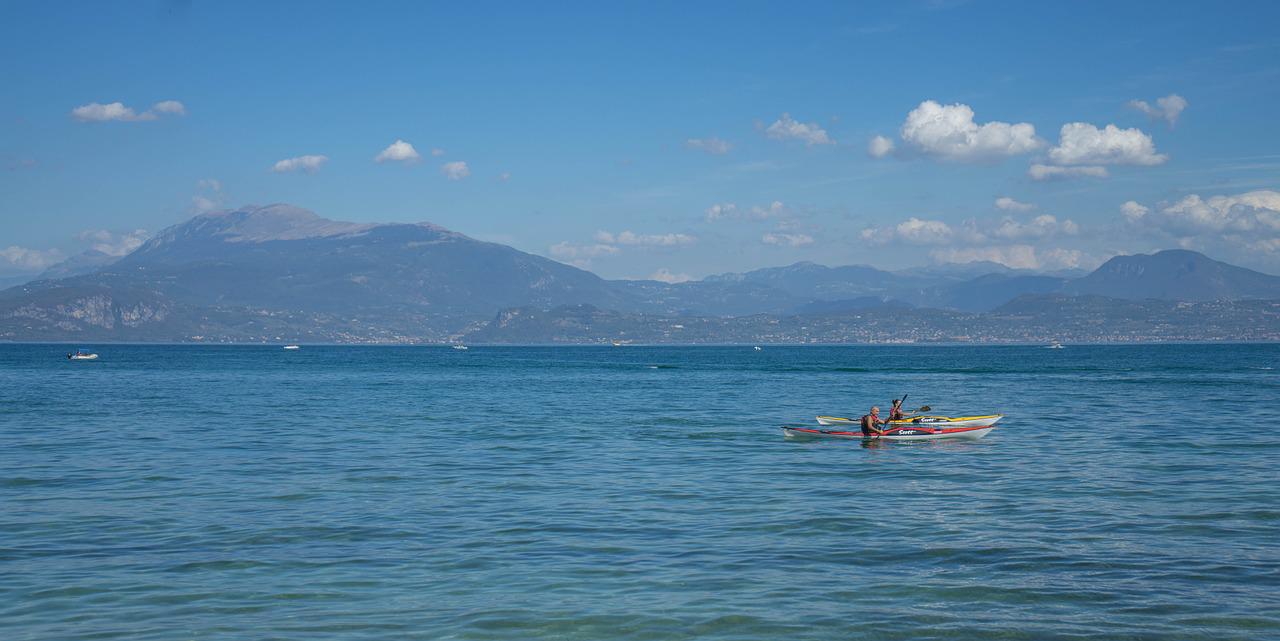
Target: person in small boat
pixel 896 413
pixel 870 421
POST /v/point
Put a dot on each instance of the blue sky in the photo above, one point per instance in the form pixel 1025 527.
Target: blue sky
pixel 656 139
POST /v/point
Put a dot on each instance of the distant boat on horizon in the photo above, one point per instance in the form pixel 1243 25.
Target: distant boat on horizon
pixel 1055 345
pixel 82 355
pixel 292 347
pixel 460 346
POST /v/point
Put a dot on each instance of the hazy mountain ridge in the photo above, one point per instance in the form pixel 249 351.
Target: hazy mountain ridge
pixel 283 273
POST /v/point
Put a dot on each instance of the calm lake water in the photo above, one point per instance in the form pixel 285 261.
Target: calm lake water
pixel 171 492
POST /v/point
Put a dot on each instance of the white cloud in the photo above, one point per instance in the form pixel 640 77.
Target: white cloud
pixel 1006 203
pixel 309 163
pixel 208 197
pixel 437 152
pixel 1133 211
pixel 608 243
pixel 565 249
pixel 398 151
pixel 456 170
pixel 23 259
pixel 720 211
pixel 969 234
pixel 1080 143
pixel 95 112
pixel 912 230
pixel 644 240
pixel 1050 172
pixel 1249 221
pixel 879 147
pixel 915 230
pixel 1014 256
pixel 949 132
pixel 98 112
pixel 787 240
pixel 730 211
pixel 713 145
pixel 1167 108
pixel 1042 226
pixel 1256 212
pixel 172 107
pixel 666 276
pixel 114 244
pixel 787 129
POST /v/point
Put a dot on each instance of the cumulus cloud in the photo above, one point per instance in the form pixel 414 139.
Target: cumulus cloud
pixel 436 151
pixel 1042 226
pixel 1043 173
pixel 98 112
pixel 730 211
pixel 112 243
pixel 713 145
pixel 1133 211
pixel 810 134
pixel 1256 212
pixel 950 133
pixel 172 107
pixel 667 276
pixel 912 230
pixel 24 259
pixel 1167 108
pixel 580 255
pixel 644 240
pixel 915 230
pixel 1005 203
pixel 1080 143
pixel 309 163
pixel 1014 256
pixel 456 170
pixel 608 243
pixel 1249 221
pixel 879 147
pixel 398 151
pixel 787 239
pixel 208 196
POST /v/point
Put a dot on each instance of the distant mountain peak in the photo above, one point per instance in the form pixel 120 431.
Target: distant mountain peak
pixel 271 222
pixel 1175 274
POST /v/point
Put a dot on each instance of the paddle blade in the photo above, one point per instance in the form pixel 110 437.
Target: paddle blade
pixel 925 408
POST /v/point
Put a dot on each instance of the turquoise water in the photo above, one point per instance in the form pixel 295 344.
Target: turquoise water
pixel 170 492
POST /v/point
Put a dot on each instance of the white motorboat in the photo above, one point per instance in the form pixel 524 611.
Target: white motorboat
pixel 292 347
pixel 82 355
pixel 460 347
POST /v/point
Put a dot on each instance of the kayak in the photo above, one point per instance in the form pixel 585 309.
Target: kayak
pixel 893 433
pixel 941 421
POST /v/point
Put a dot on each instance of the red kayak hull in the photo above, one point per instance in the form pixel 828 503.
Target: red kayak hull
pixel 906 433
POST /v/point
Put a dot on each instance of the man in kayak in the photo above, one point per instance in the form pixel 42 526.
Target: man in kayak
pixel 870 421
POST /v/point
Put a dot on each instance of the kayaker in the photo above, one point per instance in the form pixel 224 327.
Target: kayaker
pixel 896 413
pixel 870 421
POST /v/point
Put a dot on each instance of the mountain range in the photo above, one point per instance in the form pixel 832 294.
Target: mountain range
pixel 283 273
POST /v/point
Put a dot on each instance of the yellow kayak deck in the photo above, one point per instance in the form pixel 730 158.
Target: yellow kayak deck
pixel 928 418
